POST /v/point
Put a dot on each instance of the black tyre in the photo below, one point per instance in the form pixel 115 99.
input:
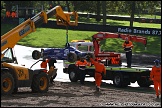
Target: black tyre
pixel 7 83
pixel 91 55
pixel 71 57
pixel 15 90
pixel 144 82
pixel 119 81
pixel 36 54
pixel 40 83
pixel 73 75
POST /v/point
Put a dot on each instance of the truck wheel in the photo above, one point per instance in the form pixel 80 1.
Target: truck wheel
pixel 7 83
pixel 71 57
pixel 144 82
pixel 119 81
pixel 40 83
pixel 73 76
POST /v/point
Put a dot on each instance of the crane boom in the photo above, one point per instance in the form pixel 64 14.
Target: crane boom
pixel 10 39
pixel 114 57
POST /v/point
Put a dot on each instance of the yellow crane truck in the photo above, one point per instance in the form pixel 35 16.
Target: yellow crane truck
pixel 13 75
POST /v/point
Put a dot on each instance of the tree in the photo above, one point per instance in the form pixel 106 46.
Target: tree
pixel 67 4
pixel 98 18
pixel 132 13
pixel 104 12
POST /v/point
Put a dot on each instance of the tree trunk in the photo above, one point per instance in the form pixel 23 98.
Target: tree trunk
pixel 132 14
pixel 98 17
pixel 67 4
pixel 104 12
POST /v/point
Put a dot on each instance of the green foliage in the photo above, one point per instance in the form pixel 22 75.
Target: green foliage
pixel 113 7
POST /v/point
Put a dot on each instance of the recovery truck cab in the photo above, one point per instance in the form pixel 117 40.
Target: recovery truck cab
pixel 83 45
pixel 12 74
pixel 121 76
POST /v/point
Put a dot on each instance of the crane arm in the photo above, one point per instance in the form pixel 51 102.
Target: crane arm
pixel 10 39
pixel 104 35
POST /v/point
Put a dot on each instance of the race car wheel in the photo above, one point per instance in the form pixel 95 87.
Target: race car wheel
pixel 91 55
pixel 71 57
pixel 36 54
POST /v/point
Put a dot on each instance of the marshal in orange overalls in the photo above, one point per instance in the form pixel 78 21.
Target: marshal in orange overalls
pixel 99 68
pixel 155 75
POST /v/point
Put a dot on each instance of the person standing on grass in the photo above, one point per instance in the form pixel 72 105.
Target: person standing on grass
pixel 155 76
pixel 128 45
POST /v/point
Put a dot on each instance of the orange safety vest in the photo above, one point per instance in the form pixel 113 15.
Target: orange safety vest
pixel 99 67
pixel 82 64
pixel 44 64
pixel 128 46
pixel 156 73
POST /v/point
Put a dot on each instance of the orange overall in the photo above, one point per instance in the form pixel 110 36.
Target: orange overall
pixel 44 65
pixel 99 68
pixel 155 75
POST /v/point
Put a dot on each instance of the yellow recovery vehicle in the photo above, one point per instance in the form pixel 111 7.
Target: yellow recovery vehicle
pixel 14 75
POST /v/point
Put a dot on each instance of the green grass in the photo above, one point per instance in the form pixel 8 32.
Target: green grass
pixel 121 23
pixel 117 23
pixel 56 38
pixel 144 16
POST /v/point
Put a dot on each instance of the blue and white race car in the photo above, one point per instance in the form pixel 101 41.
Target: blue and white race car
pixel 69 53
